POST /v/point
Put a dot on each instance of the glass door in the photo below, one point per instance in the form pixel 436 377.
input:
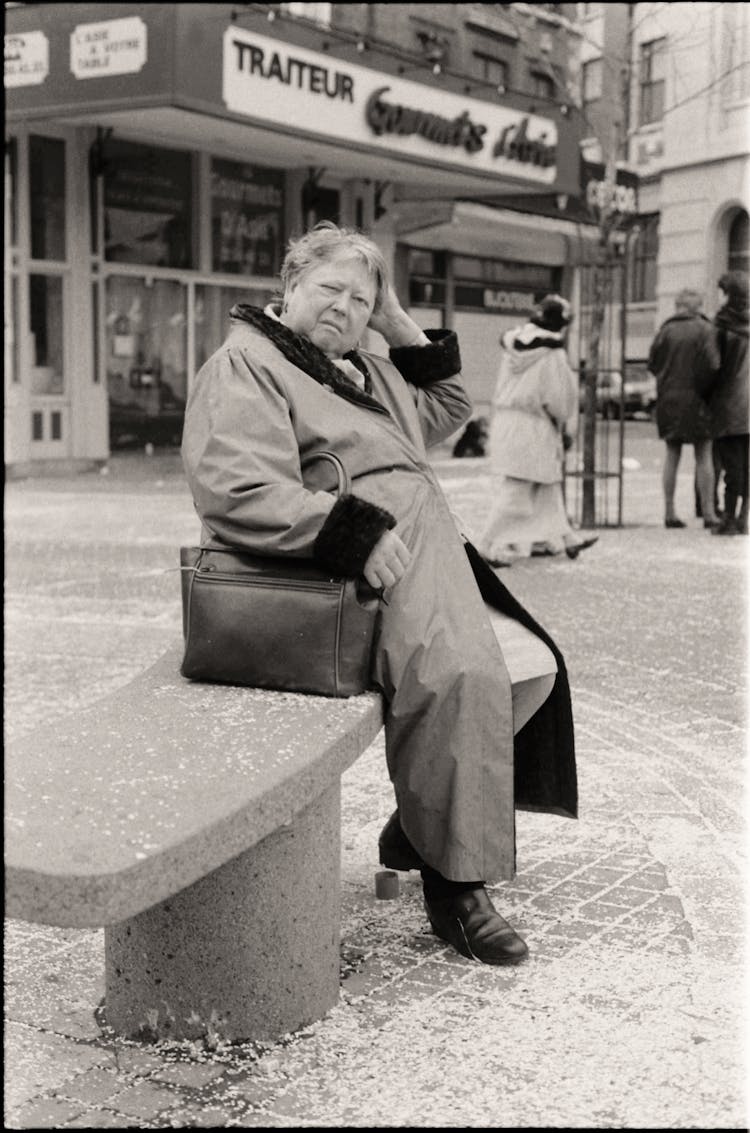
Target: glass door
pixel 146 359
pixel 47 298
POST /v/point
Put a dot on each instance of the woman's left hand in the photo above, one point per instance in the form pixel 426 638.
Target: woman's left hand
pixel 387 561
pixel 394 324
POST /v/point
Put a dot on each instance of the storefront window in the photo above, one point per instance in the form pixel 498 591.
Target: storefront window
pixel 426 263
pixel 46 317
pixel 427 275
pixel 479 284
pixel 148 214
pixel 319 203
pixel 537 276
pixel 247 218
pixel 47 197
pixel 212 307
pixel 146 359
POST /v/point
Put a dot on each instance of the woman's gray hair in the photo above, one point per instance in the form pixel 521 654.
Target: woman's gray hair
pixel 327 242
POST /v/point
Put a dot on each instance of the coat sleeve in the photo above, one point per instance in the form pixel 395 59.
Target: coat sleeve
pixel 434 372
pixel 709 363
pixel 243 467
pixel 656 355
pixel 559 392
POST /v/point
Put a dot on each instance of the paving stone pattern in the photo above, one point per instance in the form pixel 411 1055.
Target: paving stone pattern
pixel 629 1011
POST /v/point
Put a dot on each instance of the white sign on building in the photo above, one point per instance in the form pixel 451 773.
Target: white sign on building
pixel 26 59
pixel 268 80
pixel 112 47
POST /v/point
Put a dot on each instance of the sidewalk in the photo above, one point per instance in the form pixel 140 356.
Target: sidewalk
pixel 630 1011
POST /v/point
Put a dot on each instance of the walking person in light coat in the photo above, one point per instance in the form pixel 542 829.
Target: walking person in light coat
pixel 534 417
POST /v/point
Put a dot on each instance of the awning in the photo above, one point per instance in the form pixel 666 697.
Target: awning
pixel 480 230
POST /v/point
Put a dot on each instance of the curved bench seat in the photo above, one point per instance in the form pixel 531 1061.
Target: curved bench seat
pixel 200 824
pixel 151 788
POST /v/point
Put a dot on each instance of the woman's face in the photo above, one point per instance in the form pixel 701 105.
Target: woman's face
pixel 331 305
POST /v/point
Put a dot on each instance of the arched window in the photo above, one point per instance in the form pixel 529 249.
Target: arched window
pixel 737 258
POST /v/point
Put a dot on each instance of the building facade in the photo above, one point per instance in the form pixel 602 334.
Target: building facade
pixel 666 90
pixel 690 140
pixel 158 157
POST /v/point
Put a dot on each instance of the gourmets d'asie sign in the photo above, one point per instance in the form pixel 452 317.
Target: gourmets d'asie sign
pixel 264 78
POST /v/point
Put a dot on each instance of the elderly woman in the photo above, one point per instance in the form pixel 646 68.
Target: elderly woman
pixel 290 381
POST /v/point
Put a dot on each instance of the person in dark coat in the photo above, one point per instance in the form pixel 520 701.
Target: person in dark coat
pixel 462 751
pixel 683 357
pixel 727 396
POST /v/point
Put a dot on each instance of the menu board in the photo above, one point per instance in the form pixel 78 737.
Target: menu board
pixel 247 218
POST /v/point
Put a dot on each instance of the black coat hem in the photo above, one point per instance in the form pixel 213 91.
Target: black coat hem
pixel 544 762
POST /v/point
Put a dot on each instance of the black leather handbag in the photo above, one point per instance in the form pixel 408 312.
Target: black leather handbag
pixel 276 622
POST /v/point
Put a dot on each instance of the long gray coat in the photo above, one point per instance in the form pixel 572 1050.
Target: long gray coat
pixel 251 416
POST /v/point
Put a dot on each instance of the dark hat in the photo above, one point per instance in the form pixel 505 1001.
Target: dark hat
pixel 553 313
pixel 734 284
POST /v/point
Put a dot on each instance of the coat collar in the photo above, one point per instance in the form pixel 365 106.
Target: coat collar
pixel 307 357
pixel 531 337
pixel 733 319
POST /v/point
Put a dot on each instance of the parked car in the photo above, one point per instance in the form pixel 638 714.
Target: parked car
pixel 640 393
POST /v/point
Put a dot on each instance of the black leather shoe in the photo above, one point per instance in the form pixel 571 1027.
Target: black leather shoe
pixel 396 851
pixel 726 527
pixel 473 926
pixel 574 552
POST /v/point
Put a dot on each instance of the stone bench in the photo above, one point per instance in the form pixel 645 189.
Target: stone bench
pixel 200 825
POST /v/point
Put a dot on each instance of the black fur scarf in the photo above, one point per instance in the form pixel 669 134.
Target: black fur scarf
pixel 306 356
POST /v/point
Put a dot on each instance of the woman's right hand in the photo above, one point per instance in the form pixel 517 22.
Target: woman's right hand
pixel 393 323
pixel 387 561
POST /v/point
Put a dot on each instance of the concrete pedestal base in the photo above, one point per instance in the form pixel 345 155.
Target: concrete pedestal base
pixel 249 952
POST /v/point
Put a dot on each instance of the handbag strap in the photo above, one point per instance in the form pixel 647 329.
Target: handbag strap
pixel 344 488
pixel 344 483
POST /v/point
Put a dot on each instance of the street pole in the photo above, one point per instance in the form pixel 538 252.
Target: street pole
pixel 607 219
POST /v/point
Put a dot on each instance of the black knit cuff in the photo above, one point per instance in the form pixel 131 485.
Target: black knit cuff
pixel 351 530
pixel 423 365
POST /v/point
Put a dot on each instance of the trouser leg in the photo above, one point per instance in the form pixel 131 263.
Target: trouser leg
pixel 669 476
pixel 716 461
pixel 704 474
pixel 733 451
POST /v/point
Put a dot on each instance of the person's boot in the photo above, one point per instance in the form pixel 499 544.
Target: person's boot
pixel 728 524
pixel 396 851
pixel 742 517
